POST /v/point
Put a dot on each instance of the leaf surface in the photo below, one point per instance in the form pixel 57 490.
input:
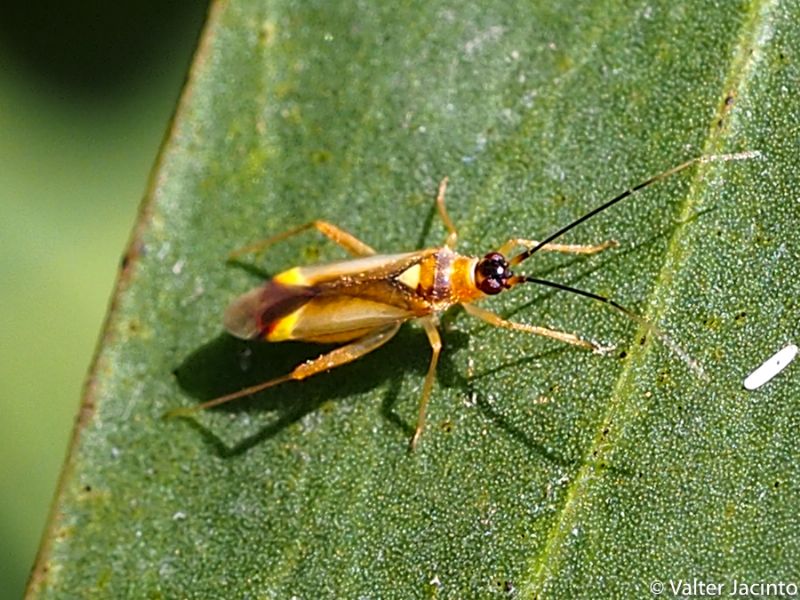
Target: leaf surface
pixel 545 470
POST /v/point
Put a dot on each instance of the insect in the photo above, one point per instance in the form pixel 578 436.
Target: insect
pixel 361 303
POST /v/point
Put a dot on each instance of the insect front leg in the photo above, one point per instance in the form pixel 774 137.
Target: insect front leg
pixel 506 248
pixel 337 235
pixel 325 362
pixel 436 345
pixel 561 336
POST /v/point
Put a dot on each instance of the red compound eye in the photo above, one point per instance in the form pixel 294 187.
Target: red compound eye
pixel 492 273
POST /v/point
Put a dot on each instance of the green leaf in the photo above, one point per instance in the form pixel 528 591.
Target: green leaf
pixel 545 469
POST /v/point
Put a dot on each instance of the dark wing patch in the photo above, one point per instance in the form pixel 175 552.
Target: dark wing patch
pixel 252 313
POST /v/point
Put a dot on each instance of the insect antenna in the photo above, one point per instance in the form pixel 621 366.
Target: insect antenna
pixel 680 352
pixel 651 328
pixel 630 192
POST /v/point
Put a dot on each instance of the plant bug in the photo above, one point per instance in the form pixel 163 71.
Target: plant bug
pixel 361 303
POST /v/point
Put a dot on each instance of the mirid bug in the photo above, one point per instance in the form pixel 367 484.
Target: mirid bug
pixel 361 303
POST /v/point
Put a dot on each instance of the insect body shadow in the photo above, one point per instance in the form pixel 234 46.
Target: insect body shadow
pixel 227 364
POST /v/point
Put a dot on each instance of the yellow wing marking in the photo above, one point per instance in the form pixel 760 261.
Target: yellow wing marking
pixel 410 277
pixel 292 277
pixel 282 329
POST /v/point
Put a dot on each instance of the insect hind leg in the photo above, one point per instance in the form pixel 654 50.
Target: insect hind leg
pixel 336 234
pixel 324 362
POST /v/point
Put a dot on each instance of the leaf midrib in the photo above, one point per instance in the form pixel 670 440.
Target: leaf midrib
pixel 741 66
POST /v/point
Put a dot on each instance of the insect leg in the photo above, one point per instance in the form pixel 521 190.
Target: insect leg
pixel 325 362
pixel 337 235
pixel 506 248
pixel 561 336
pixel 452 235
pixel 436 345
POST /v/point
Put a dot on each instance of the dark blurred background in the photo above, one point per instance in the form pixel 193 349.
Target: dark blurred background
pixel 87 90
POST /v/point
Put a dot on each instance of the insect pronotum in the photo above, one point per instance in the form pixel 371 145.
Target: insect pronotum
pixel 361 303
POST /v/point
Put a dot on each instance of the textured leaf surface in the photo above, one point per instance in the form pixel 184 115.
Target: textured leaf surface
pixel 545 470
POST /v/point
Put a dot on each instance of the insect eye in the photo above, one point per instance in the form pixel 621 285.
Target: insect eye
pixel 492 273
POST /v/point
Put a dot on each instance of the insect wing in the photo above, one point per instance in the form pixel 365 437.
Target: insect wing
pixel 349 272
pixel 329 303
pixel 338 318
